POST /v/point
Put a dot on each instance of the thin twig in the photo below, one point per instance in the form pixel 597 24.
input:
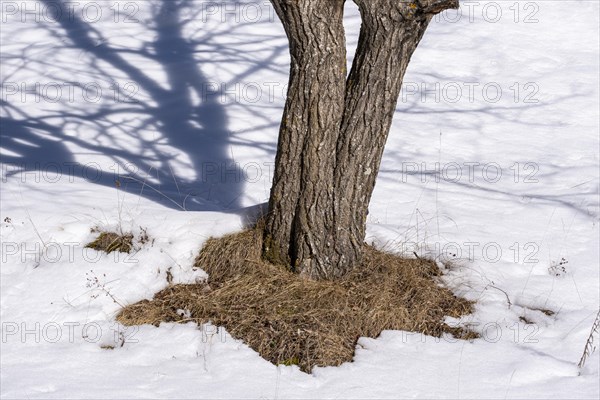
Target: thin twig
pixel 589 343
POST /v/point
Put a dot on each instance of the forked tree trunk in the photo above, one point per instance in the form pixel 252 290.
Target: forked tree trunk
pixel 334 129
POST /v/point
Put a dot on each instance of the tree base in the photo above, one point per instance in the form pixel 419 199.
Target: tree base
pixel 291 320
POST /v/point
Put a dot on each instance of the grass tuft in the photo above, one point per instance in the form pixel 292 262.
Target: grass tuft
pixel 110 241
pixel 290 320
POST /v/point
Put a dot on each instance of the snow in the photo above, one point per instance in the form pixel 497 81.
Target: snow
pixel 502 186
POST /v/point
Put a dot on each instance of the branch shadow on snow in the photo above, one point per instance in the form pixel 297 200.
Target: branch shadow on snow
pixel 163 135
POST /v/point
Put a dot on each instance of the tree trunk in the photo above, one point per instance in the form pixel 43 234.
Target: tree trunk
pixel 334 130
pixel 300 220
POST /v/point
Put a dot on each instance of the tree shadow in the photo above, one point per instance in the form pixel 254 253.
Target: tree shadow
pixel 162 133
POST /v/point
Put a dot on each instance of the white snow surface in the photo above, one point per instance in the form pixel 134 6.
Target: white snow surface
pixel 163 116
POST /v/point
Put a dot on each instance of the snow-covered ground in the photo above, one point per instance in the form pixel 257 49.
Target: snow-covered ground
pixel 163 117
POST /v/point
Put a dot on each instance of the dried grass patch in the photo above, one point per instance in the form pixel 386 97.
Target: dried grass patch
pixel 291 320
pixel 111 241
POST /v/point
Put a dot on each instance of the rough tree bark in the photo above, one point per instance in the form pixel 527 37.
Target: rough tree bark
pixel 334 127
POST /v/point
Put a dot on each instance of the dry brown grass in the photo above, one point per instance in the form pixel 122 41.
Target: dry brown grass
pixel 291 320
pixel 111 241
